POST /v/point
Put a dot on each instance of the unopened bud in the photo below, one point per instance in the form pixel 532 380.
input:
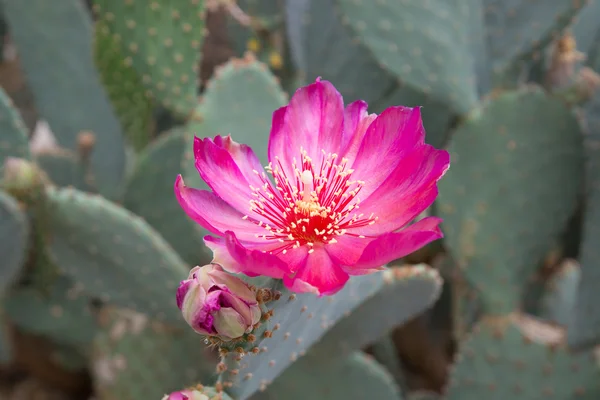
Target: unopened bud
pixel 562 65
pixel 216 303
pixel 20 173
pixel 85 144
pixel 588 82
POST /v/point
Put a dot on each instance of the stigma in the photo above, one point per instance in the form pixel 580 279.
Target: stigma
pixel 318 203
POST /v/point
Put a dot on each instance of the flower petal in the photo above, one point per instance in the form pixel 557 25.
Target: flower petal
pixel 313 121
pixel 232 301
pixel 227 167
pixel 407 191
pixel 234 257
pixel 233 283
pixel 212 213
pixel 229 324
pixel 392 246
pixel 391 136
pixel 318 275
pixel 356 122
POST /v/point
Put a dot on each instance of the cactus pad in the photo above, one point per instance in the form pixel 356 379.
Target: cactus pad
pixel 436 60
pixel 314 27
pixel 559 298
pixel 521 358
pixel 54 315
pixel 54 42
pixel 584 329
pixel 125 88
pixel 136 358
pixel 295 323
pixel 516 29
pixel 149 194
pixel 162 42
pixel 517 167
pixel 114 254
pixel 14 238
pixel 356 376
pixel 415 288
pixel 14 140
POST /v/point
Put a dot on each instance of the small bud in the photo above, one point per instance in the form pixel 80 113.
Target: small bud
pixel 562 65
pixel 216 303
pixel 85 144
pixel 186 395
pixel 19 172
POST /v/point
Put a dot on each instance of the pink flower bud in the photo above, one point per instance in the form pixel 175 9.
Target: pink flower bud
pixel 216 303
pixel 186 395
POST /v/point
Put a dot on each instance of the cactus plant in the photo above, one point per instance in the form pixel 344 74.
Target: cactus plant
pixel 94 243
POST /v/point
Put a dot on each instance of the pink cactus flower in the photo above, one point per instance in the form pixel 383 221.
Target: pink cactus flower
pixel 347 186
pixel 186 395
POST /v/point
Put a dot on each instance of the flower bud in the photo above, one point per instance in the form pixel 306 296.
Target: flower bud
pixel 186 395
pixel 216 303
pixel 19 172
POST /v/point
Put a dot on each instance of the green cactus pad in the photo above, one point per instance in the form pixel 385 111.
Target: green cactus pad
pixel 244 88
pixel 149 194
pixel 314 27
pixel 516 175
pixel 357 376
pixel 517 29
pixel 298 321
pixel 584 329
pixel 114 254
pixel 63 315
pixel 424 44
pixel 64 169
pixel 162 42
pixel 413 288
pixel 557 304
pixel 54 42
pixel 136 358
pixel 14 238
pixel 124 87
pixel 385 352
pixel 521 358
pixel 14 140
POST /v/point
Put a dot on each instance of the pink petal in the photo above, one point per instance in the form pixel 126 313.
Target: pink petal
pixel 212 213
pixel 234 257
pixel 390 137
pixel 227 167
pixel 356 122
pixel 347 251
pixel 392 246
pixel 407 191
pixel 312 121
pixel 318 275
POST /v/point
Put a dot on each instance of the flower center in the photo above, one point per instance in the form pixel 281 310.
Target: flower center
pixel 316 204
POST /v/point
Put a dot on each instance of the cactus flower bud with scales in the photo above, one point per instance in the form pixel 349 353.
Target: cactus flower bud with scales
pixel 216 303
pixel 347 185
